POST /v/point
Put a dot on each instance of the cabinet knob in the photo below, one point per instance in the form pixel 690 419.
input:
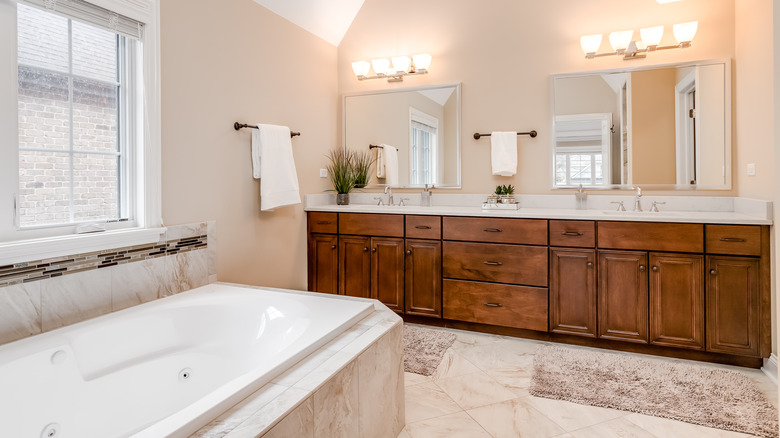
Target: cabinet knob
pixel 590 264
pixel 408 252
pixel 333 247
pixel 642 268
pixel 655 268
pixel 365 249
pixel 713 272
pixel 373 249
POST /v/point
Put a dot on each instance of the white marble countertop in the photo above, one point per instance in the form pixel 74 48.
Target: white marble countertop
pixel 687 209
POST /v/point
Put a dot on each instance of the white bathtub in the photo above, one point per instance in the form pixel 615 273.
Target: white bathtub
pixel 164 368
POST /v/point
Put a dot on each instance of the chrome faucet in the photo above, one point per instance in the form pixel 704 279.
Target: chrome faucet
pixel 389 193
pixel 637 203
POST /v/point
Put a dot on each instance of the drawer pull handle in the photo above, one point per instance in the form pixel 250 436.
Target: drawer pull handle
pixel 642 268
pixel 732 239
pixel 323 223
pixel 493 263
pixel 713 272
pixel 571 233
pixel 493 230
pixel 422 227
pixel 494 304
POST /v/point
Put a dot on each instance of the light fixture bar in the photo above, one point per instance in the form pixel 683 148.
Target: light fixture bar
pixel 623 44
pixel 394 72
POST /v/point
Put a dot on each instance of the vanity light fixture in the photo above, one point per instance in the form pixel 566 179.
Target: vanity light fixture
pixel 394 72
pixel 623 42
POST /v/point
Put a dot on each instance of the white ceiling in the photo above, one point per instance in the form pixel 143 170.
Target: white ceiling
pixel 328 19
pixel 438 95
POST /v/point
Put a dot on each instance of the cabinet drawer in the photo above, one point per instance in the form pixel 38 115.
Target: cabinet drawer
pixel 494 262
pixel 579 234
pixel 371 224
pixel 423 227
pixel 524 231
pixel 320 222
pixel 496 304
pixel 734 239
pixel 651 236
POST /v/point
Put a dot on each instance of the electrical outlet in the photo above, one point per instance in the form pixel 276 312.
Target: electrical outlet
pixel 751 169
pixel 323 173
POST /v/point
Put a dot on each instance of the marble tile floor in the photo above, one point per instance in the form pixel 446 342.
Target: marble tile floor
pixel 481 390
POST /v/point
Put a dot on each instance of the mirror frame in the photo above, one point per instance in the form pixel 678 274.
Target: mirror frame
pixel 459 97
pixel 728 151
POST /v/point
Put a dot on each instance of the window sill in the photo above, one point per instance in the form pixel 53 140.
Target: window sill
pixel 39 249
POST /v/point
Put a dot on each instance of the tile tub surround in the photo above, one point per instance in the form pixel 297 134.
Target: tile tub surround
pixel 40 296
pixel 692 209
pixel 351 387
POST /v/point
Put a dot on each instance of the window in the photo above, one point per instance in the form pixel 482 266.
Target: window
pixel 423 143
pixel 80 131
pixel 582 149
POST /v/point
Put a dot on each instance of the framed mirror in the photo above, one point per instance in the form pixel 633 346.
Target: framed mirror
pixel 664 127
pixel 422 124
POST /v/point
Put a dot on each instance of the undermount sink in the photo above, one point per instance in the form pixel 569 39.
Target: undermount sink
pixel 642 213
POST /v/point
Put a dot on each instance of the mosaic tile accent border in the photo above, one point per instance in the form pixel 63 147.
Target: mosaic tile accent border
pixel 58 266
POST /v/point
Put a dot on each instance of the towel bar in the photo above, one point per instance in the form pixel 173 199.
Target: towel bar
pixel 530 133
pixel 238 126
pixel 375 146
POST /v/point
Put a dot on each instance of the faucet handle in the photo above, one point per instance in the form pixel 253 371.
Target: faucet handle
pixel 379 200
pixel 638 191
pixel 401 204
pixel 654 208
pixel 620 207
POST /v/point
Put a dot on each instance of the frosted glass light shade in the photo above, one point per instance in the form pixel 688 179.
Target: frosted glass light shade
pixel 361 68
pixel 651 36
pixel 380 65
pixel 422 61
pixel 401 63
pixel 684 32
pixel 590 43
pixel 621 39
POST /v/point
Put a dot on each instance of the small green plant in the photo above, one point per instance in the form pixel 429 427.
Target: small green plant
pixel 341 170
pixel 505 190
pixel 361 165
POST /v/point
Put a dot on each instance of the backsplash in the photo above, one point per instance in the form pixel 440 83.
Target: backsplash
pixel 43 295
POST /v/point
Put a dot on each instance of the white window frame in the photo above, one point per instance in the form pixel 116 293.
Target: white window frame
pixel 602 134
pixel 421 117
pixel 27 245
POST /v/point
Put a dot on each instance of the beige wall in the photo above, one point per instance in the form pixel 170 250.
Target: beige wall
pixel 228 61
pixel 753 107
pixel 504 54
pixel 653 139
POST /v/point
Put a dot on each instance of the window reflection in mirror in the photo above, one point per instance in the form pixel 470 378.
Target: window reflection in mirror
pixel 422 123
pixel 662 126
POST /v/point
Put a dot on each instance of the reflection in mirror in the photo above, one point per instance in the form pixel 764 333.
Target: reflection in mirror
pixel 663 126
pixel 422 124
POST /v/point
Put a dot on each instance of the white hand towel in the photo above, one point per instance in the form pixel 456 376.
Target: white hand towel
pixel 503 153
pixel 391 165
pixel 380 162
pixel 272 161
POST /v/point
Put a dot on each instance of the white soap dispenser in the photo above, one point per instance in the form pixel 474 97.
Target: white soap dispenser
pixel 425 197
pixel 581 199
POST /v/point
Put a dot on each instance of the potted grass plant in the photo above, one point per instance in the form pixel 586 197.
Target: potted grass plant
pixel 341 173
pixel 361 165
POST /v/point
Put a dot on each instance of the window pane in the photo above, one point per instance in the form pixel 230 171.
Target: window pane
pixel 94 52
pixel 44 114
pixel 95 187
pixel 560 169
pixel 95 115
pixel 44 188
pixel 42 39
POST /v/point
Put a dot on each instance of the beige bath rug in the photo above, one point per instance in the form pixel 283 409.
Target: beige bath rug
pixel 424 348
pixel 696 394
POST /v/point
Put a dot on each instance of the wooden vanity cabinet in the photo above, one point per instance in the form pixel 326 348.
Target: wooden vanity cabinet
pixel 622 296
pixel 355 266
pixel 423 277
pixel 733 305
pixel 573 309
pixel 677 300
pixel 322 252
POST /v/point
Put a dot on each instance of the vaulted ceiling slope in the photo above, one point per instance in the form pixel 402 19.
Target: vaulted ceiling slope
pixel 328 19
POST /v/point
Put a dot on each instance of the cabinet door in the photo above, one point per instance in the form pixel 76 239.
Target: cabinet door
pixel 423 277
pixel 733 305
pixel 323 263
pixel 573 291
pixel 623 304
pixel 387 272
pixel 677 300
pixel 354 266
